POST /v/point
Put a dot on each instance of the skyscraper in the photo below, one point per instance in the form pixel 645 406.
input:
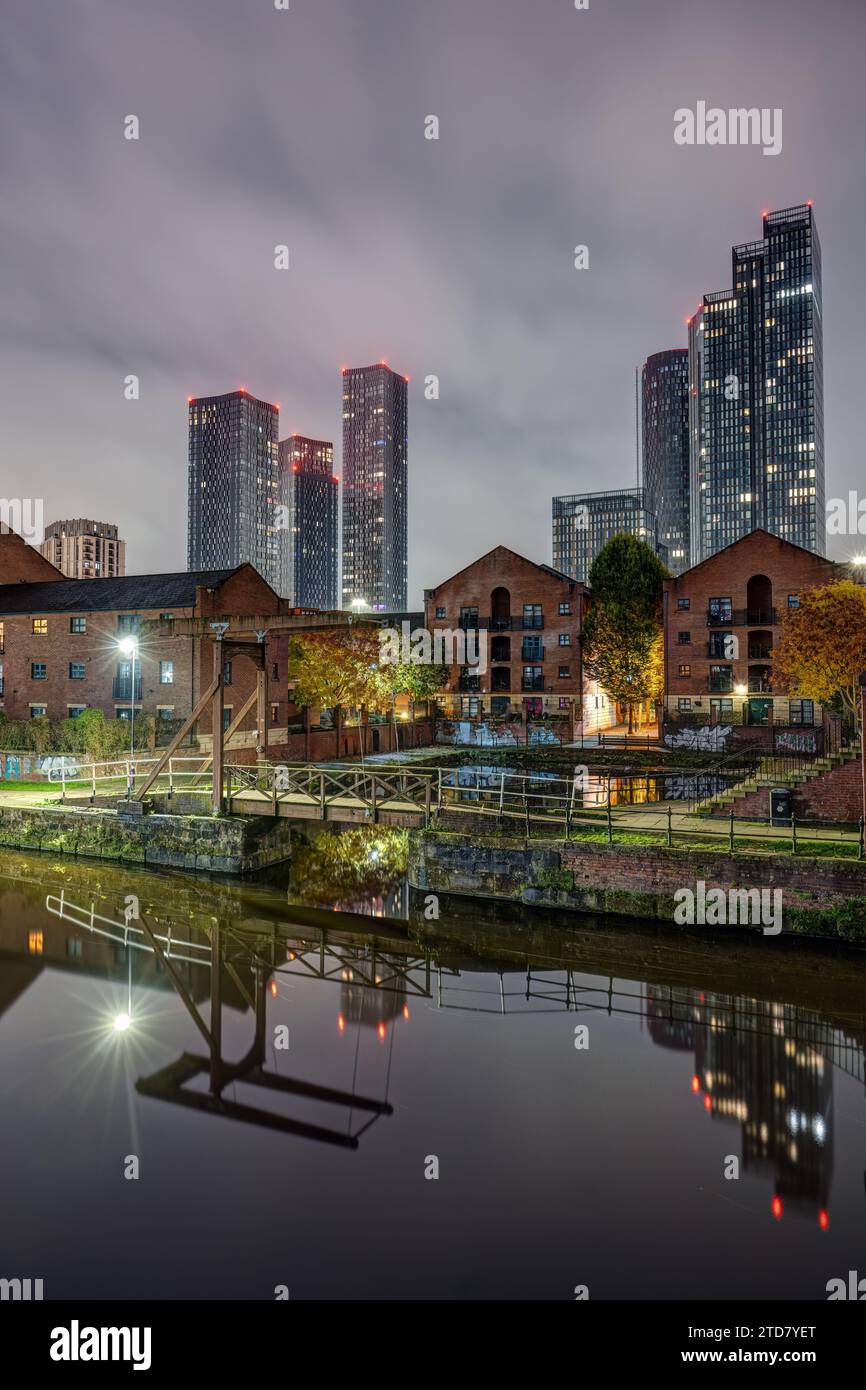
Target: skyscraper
pixel 310 491
pixel 757 378
pixel 586 521
pixel 665 434
pixel 234 485
pixel 83 549
pixel 374 487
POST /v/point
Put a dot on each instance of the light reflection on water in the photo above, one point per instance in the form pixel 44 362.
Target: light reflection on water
pixel 304 1164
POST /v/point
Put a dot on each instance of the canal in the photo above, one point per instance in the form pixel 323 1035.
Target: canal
pixel 581 1089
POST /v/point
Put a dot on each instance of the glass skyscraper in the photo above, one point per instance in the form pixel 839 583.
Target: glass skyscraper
pixel 374 487
pixel 757 393
pixel 311 501
pixel 234 485
pixel 586 521
pixel 665 436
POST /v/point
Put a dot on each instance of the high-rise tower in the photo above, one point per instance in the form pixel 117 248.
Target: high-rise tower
pixel 374 487
pixel 234 485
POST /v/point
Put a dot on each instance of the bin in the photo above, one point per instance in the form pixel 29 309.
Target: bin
pixel 781 806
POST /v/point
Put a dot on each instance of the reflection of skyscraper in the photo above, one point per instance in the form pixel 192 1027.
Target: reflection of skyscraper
pixel 375 481
pixel 759 1064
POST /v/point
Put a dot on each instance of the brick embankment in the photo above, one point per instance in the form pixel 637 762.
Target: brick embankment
pixel 820 896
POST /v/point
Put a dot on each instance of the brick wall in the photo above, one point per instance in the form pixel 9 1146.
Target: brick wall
pixel 20 563
pixel 833 795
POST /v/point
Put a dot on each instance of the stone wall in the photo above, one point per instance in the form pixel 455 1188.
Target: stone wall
pixel 819 896
pixel 213 844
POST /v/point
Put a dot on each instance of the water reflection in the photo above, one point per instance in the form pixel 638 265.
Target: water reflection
pixel 457 1035
pixel 592 788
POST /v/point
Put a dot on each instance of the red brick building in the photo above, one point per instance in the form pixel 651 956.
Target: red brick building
pixel 60 640
pixel 531 617
pixel 722 624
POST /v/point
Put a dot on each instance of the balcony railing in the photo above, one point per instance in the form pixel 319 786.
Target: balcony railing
pixel 718 686
pixel 760 687
pixel 743 617
pixel 512 624
pixel 469 685
pixel 121 688
pixel 760 653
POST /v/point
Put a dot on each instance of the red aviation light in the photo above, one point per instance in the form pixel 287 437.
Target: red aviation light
pixel 765 212
pixel 776 1207
pixel 341 1024
pixel 708 1104
pixel 823 1214
pixel 696 1085
pixel 381 1030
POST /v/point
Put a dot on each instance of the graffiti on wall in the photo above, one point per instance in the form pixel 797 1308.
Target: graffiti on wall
pixel 711 738
pixel 791 741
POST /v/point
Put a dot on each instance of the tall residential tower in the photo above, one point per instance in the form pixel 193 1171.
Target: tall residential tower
pixel 311 501
pixel 85 549
pixel 374 487
pixel 234 485
pixel 665 450
pixel 757 393
pixel 585 521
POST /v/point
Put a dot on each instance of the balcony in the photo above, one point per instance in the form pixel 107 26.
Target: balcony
pixel 760 687
pixel 121 688
pixel 517 624
pixel 743 617
pixel 759 653
pixel 469 685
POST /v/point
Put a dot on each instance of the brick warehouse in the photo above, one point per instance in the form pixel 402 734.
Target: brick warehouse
pixel 59 640
pixel 533 618
pixel 723 621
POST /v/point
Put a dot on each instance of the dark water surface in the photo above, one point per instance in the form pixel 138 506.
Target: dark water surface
pixel 262 1166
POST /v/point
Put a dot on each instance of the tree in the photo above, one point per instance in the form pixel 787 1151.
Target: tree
pixel 336 669
pixel 823 646
pixel 418 680
pixel 622 634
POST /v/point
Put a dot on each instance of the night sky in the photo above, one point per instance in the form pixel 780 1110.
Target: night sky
pixel 452 257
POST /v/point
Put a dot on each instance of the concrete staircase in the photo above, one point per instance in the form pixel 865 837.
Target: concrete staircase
pixel 777 772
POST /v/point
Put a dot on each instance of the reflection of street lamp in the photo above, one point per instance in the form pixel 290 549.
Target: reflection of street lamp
pixel 740 690
pixel 359 603
pixel 129 647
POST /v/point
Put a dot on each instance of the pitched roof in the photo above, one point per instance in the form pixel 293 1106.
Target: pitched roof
pixel 758 532
pixel 126 592
pixel 557 574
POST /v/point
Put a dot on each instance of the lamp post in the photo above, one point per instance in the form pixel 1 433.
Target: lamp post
pixel 129 647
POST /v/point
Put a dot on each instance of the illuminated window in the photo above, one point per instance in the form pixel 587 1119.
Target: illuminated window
pixel 35 943
pixel 40 627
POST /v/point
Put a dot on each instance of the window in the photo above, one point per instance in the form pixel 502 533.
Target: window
pixel 128 623
pixel 802 712
pixel 684 639
pixel 440 612
pixel 77 670
pixel 38 671
pixel 564 610
pixel 564 702
pixel 469 707
pixel 793 600
pixel 73 711
pixel 533 678
pixel 275 713
pixel 77 624
pixel 227 673
pixel 684 604
pixel 2 638
pixel 684 670
pixel 40 627
pixel 499 705
pixel 532 616
pixel 166 673
pixel 531 649
pixel 722 709
pixel 74 947
pixel 165 711
pixel 227 716
pixel 166 617
pixel 721 678
pixel 720 610
pixel 469 616
pixel 276 671
pixel 35 943
pixel 38 711
pixel 564 672
pixel 565 639
pixel 684 705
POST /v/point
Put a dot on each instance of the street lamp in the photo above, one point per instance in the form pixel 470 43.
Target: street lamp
pixel 129 647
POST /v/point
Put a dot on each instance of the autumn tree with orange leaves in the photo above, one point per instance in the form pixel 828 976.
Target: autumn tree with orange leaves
pixel 823 646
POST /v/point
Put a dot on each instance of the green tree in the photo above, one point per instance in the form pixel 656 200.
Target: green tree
pixel 622 634
pixel 418 680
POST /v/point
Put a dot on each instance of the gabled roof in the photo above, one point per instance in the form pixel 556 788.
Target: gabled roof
pixel 125 592
pixel 504 549
pixel 750 536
